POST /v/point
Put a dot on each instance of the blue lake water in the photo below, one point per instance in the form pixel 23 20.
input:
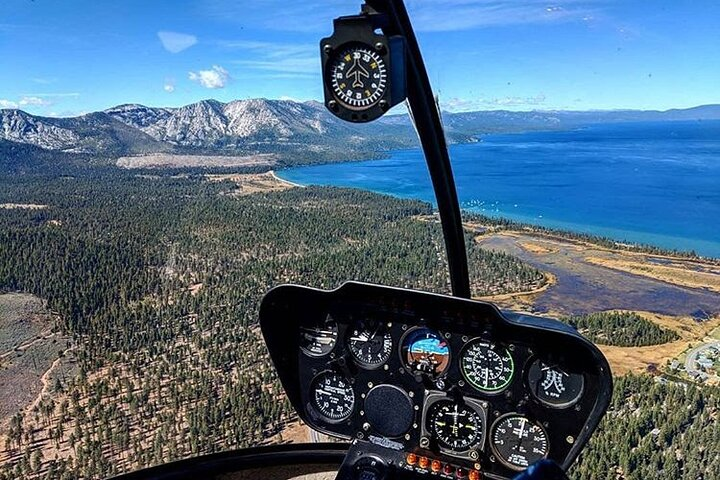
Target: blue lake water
pixel 655 183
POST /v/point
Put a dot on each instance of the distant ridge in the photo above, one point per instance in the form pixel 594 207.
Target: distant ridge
pixel 295 131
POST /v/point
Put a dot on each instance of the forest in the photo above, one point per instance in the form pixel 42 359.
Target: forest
pixel 621 329
pixel 157 277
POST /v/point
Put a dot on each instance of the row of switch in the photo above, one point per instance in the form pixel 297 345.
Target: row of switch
pixel 437 466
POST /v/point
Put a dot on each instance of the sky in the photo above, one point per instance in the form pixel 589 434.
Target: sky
pixel 64 58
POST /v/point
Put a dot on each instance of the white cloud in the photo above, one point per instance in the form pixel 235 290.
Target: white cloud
pixel 169 86
pixel 291 60
pixel 217 77
pixel 175 42
pixel 469 105
pixel 25 101
pixel 50 95
pixel 469 14
pixel 34 101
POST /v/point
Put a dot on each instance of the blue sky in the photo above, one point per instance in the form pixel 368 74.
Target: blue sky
pixel 68 57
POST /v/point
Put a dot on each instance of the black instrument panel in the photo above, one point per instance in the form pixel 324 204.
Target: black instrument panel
pixel 453 382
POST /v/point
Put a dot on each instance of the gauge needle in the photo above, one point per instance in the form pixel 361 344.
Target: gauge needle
pixel 522 428
pixel 324 392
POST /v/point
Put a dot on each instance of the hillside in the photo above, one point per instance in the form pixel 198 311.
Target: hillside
pixel 295 132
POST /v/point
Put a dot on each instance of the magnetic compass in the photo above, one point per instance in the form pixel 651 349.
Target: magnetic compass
pixel 364 72
pixel 359 76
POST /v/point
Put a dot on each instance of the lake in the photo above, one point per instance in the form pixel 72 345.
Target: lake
pixel 655 183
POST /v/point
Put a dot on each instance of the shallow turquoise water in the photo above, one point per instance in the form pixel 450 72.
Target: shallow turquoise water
pixel 656 183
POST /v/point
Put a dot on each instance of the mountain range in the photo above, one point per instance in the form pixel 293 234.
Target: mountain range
pixel 296 132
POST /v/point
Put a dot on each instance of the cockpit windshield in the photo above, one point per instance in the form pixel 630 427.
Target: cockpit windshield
pixel 164 165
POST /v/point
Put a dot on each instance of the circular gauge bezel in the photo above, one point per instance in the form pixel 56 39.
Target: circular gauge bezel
pixel 313 399
pixel 387 335
pixel 495 348
pixel 328 319
pixel 432 411
pixel 560 406
pixel 494 450
pixel 403 356
pixel 380 89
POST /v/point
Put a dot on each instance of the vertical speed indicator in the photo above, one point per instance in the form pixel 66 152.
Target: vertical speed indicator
pixel 359 76
pixel 332 396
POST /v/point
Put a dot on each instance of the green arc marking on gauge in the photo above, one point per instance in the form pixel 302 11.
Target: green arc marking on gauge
pixel 501 352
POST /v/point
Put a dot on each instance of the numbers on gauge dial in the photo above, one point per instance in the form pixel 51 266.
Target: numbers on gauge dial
pixel 359 76
pixel 518 442
pixel 370 343
pixel 456 427
pixel 317 340
pixel 486 367
pixel 332 396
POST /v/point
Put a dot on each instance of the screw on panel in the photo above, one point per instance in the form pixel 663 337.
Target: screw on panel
pixel 411 394
pixel 333 105
pixel 327 48
pixel 384 105
pixel 570 439
pixel 370 384
pixel 366 426
pixel 474 455
pixel 424 442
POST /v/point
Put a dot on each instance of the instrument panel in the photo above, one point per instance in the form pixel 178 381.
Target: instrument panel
pixel 442 385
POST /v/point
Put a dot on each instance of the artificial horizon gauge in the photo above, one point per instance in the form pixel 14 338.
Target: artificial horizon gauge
pixel 332 396
pixel 554 386
pixel 487 367
pixel 518 442
pixel 425 351
pixel 358 76
pixel 318 340
pixel 455 426
pixel 370 343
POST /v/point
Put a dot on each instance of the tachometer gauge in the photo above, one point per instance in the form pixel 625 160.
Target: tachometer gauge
pixel 518 442
pixel 370 343
pixel 486 367
pixel 554 386
pixel 456 427
pixel 318 340
pixel 332 396
pixel 425 351
pixel 359 76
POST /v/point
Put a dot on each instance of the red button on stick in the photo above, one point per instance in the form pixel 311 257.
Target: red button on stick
pixel 436 466
pixel 424 462
pixel 448 469
pixel 460 473
pixel 411 459
pixel 473 475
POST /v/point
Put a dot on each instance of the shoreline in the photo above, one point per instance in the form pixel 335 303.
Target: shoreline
pixel 274 174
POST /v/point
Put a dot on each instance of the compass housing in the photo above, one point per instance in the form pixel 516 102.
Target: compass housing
pixel 364 73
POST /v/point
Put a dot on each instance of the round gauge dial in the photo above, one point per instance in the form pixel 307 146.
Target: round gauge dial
pixel 319 339
pixel 554 386
pixel 454 426
pixel 332 396
pixel 486 367
pixel 370 343
pixel 517 442
pixel 359 76
pixel 425 351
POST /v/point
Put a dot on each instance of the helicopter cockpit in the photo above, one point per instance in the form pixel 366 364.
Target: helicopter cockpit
pixel 428 385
